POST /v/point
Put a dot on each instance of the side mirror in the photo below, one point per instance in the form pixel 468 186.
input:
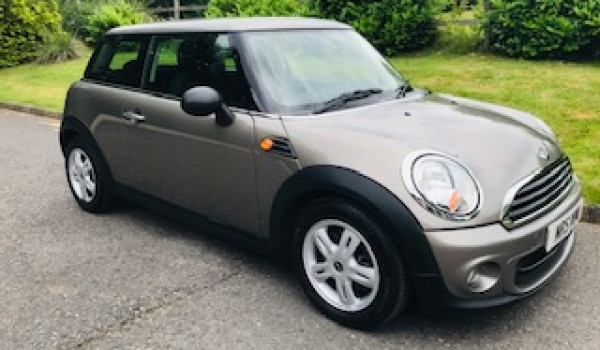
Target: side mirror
pixel 203 101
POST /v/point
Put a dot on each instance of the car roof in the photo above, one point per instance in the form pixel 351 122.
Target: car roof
pixel 229 25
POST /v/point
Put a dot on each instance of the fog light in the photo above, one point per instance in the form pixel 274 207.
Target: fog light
pixel 483 277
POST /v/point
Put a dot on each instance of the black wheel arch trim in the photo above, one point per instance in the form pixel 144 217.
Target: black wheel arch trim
pixel 71 127
pixel 312 182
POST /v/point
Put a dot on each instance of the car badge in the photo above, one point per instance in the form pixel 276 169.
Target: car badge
pixel 544 153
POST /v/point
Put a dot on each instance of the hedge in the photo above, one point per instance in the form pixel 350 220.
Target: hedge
pixel 23 26
pixel 556 29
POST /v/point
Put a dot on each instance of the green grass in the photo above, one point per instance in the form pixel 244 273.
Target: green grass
pixel 565 95
pixel 40 85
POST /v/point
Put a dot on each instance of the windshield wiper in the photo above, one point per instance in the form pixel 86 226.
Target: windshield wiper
pixel 344 98
pixel 402 90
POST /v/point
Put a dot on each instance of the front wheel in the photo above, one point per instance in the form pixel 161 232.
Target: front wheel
pixel 347 265
pixel 88 177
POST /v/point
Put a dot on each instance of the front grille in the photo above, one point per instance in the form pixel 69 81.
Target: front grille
pixel 541 192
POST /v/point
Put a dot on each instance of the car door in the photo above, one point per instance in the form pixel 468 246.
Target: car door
pixel 185 160
pixel 115 69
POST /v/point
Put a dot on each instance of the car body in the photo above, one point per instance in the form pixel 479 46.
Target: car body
pixel 296 135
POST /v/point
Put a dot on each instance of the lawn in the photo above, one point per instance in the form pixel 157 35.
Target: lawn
pixel 40 85
pixel 565 95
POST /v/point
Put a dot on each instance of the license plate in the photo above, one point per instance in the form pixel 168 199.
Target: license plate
pixel 562 228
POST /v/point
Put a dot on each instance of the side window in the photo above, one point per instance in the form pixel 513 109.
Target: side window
pixel 164 65
pixel 182 62
pixel 119 61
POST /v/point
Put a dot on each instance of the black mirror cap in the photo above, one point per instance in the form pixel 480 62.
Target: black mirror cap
pixel 201 101
pixel 204 100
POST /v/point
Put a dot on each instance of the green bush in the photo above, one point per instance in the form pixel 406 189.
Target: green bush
pixel 393 26
pixel 76 14
pixel 58 47
pixel 556 29
pixel 459 31
pixel 114 14
pixel 23 25
pixel 252 8
pixel 459 39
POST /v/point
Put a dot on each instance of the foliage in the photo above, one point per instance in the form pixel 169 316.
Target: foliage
pixel 169 3
pixel 57 47
pixel 23 25
pixel 459 32
pixel 393 26
pixel 113 14
pixel 76 14
pixel 252 8
pixel 545 28
pixel 459 39
pixel 184 13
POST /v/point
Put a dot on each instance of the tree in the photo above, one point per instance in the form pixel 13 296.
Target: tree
pixel 393 26
pixel 111 15
pixel 23 26
pixel 250 8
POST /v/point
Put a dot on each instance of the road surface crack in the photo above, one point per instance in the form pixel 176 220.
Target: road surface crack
pixel 144 310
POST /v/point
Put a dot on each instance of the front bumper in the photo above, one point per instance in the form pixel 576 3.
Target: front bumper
pixel 510 264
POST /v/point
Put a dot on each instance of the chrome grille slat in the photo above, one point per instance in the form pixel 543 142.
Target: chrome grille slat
pixel 540 193
pixel 541 182
pixel 519 213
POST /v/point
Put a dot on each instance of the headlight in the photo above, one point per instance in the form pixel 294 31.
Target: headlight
pixel 442 185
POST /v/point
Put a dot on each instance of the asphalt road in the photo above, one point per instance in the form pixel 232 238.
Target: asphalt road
pixel 131 279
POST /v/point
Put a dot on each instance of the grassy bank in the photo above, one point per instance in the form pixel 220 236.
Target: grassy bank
pixel 40 85
pixel 564 95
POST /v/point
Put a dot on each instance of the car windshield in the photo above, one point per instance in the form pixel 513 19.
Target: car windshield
pixel 301 71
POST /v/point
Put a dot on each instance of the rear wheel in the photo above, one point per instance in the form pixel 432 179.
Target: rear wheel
pixel 347 265
pixel 88 177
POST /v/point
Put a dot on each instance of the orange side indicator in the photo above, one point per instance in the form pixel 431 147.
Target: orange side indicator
pixel 454 202
pixel 266 144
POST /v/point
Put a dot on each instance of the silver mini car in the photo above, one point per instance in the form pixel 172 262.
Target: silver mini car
pixel 296 136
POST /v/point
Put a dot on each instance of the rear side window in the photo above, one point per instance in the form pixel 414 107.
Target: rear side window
pixel 119 61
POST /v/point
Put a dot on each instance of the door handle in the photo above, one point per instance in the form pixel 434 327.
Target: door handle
pixel 134 117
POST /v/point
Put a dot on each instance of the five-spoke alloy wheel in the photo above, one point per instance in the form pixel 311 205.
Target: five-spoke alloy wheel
pixel 88 176
pixel 82 177
pixel 347 264
pixel 340 265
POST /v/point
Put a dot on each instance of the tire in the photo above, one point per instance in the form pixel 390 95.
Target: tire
pixel 88 176
pixel 362 286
